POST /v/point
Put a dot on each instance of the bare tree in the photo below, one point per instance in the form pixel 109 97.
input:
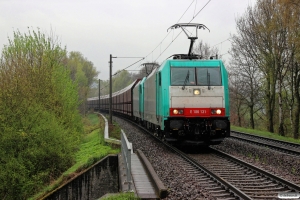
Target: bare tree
pixel 246 78
pixel 262 38
pixel 290 14
pixel 237 100
pixel 205 50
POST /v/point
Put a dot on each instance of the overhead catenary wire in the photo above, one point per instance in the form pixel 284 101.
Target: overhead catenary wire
pixel 195 7
pixel 122 69
pixel 190 32
pixel 228 39
pixel 166 37
pixel 182 30
pixel 159 45
pixel 222 42
pixel 127 66
pixel 200 11
pixel 187 10
pixel 162 39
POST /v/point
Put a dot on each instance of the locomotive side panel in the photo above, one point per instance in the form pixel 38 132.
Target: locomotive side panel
pixel 142 98
pixel 135 100
pixel 150 99
pixel 128 102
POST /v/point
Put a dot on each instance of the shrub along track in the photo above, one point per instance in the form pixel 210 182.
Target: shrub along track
pixel 186 178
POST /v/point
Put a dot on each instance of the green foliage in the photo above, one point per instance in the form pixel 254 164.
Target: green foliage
pixel 114 131
pixel 92 149
pixel 121 80
pixel 265 75
pixel 90 122
pixel 120 196
pixel 40 127
pixel 83 73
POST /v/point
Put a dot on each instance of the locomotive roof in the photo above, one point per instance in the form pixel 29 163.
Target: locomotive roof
pixel 193 62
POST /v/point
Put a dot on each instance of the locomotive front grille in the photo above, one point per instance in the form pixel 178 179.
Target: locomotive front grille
pixel 195 102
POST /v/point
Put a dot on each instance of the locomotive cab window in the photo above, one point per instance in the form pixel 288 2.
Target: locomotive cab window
pixel 183 76
pixel 209 76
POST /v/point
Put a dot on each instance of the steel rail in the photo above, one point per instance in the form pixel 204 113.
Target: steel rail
pixel 226 185
pixel 275 146
pixel 235 191
pixel 290 185
pixel 270 139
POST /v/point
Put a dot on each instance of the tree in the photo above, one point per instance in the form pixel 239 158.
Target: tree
pixel 39 122
pixel 205 50
pixel 290 16
pixel 121 80
pixel 84 74
pixel 262 38
pixel 268 38
pixel 237 100
pixel 244 85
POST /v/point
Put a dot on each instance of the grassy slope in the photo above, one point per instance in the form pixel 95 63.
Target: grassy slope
pixel 265 134
pixel 92 149
pixel 121 196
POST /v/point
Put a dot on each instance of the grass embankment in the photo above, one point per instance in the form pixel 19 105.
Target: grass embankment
pixel 92 149
pixel 93 146
pixel 121 196
pixel 265 134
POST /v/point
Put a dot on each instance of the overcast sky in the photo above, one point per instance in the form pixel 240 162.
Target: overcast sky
pixel 123 28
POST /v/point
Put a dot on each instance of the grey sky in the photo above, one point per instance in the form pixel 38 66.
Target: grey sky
pixel 133 28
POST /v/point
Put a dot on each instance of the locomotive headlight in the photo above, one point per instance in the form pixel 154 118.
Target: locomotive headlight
pixel 216 111
pixel 178 111
pixel 196 91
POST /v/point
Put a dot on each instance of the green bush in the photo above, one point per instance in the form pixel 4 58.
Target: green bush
pixel 91 149
pixel 40 127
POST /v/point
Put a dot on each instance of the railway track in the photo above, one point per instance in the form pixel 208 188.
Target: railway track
pixel 213 186
pixel 285 147
pixel 225 177
pixel 254 182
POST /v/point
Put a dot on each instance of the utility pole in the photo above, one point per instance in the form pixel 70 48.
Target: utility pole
pixel 110 89
pixel 99 96
pixel 110 84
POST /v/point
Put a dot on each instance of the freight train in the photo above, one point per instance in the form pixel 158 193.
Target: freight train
pixel 184 101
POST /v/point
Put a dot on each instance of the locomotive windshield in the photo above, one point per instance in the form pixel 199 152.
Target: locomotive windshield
pixel 183 76
pixel 208 76
pixel 204 76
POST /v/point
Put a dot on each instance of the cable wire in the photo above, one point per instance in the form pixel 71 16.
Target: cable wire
pixel 182 30
pixel 170 31
pixel 127 67
pixel 187 9
pixel 222 42
pixel 167 36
